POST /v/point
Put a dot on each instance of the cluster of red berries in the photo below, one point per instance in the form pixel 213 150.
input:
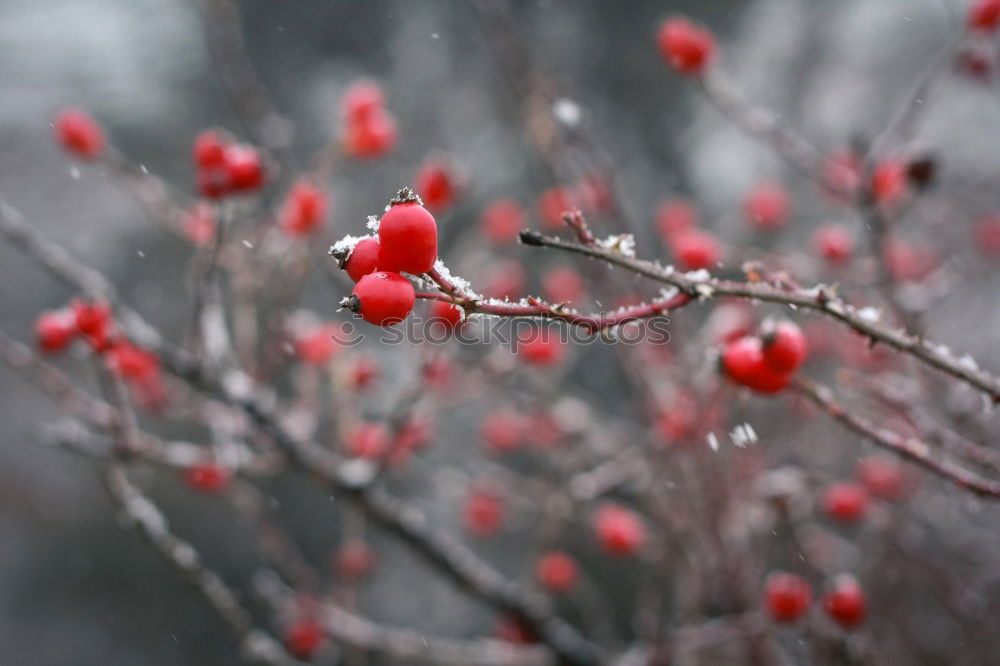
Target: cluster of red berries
pixel 406 241
pixel 225 167
pixel 765 363
pixel 368 129
pixel 788 597
pixel 92 321
pixel 693 248
pixel 848 502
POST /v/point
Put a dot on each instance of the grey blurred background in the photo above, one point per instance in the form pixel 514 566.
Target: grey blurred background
pixel 74 588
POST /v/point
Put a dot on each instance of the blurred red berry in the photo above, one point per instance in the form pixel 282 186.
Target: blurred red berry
pixel 209 150
pixel 207 478
pixel 244 168
pixel 984 15
pixel 304 637
pixel 353 560
pixel 304 209
pixel 78 133
pixel 437 372
pixel 382 298
pixel 556 571
pixel 363 371
pixel 784 347
pixel 562 284
pixel 503 430
pixel 846 502
pixel 213 183
pixel 198 224
pixel 695 249
pixel 743 362
pixel 407 233
pixel 446 315
pixel 363 259
pixel 787 596
pixel 92 317
pixel 370 138
pixel 845 602
pixel 834 243
pixel 368 440
pixel 363 99
pixel 133 363
pixel 766 207
pixel 543 348
pixel 55 330
pixel 436 185
pixel 552 203
pixel 987 235
pixel 908 262
pixel 675 216
pixel 686 47
pixel 483 513
pixel 318 345
pixel 842 175
pixel 501 221
pixel 619 531
pixel 882 477
pixel 889 181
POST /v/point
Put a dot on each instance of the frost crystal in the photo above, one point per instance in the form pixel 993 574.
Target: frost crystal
pixel 461 284
pixel 743 435
pixel 566 111
pixel 700 275
pixel 373 222
pixel 623 244
pixel 345 246
pixel 713 441
pixel 870 314
pixel 968 363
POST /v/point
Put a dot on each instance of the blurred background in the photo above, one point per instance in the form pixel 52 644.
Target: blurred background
pixel 75 585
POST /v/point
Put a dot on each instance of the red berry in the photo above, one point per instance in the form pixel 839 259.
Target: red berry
pixel 414 435
pixel 984 15
pixel 788 596
pixel 368 440
pixel 686 47
pixel 562 285
pixel 353 560
pixel 213 183
pixel 437 372
pixel 244 168
pixel 619 531
pixel 92 318
pixel 207 478
pixel 695 249
pixel 888 184
pixel 543 348
pixel 318 345
pixel 502 221
pixel 362 373
pixel 503 430
pixel 556 571
pixel 512 629
pixel 304 209
pixel 362 100
pixel 784 347
pixel 363 258
pixel 134 363
pixel 677 419
pixel 55 330
pixel 209 150
pixel 845 602
pixel 594 192
pixel 445 314
pixel 371 137
pixel 382 298
pixel 673 217
pixel 552 203
pixel 987 235
pixel 78 133
pixel 408 234
pixel 846 502
pixel 842 174
pixel 436 185
pixel 743 362
pixel 506 279
pixel 834 243
pixel 766 207
pixel 198 224
pixel 908 262
pixel 882 477
pixel 304 638
pixel 483 513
